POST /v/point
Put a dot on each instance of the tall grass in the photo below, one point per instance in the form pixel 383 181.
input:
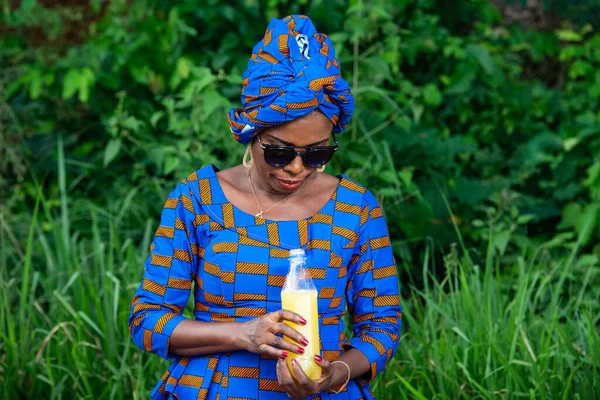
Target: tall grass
pixel 531 332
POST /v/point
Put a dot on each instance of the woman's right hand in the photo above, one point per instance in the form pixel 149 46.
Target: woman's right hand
pixel 260 334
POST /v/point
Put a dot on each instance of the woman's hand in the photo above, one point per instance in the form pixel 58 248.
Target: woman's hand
pixel 260 334
pixel 302 386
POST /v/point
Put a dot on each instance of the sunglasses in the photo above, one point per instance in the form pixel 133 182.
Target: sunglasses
pixel 312 156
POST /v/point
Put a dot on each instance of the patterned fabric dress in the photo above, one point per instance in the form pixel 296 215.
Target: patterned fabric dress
pixel 237 264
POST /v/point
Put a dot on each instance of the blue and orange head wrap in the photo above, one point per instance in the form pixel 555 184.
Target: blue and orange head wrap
pixel 292 72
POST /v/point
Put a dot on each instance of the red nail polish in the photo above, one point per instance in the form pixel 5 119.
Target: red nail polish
pixel 302 321
pixel 304 342
pixel 284 354
pixel 318 358
pixel 300 350
pixel 294 361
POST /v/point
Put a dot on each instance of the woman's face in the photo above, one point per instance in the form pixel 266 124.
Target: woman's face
pixel 312 130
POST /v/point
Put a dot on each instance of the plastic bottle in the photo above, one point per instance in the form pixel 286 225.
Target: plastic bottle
pixel 300 296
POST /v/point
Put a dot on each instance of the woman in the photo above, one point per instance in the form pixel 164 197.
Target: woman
pixel 230 232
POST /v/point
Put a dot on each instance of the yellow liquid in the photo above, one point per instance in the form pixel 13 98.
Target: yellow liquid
pixel 304 302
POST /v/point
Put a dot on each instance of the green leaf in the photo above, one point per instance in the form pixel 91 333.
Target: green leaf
pixel 202 77
pixel 432 95
pixel 35 84
pixel 526 218
pixel 568 35
pixel 27 5
pixel 378 68
pixel 70 83
pixel 580 68
pixel 416 393
pixel 156 117
pixel 111 150
pixel 184 67
pixel 482 55
pixel 417 110
pixel 460 333
pixel 593 180
pixel 131 123
pixel 171 164
pixel 12 88
pixel 212 100
pixel 586 223
pixel 403 122
pixel 462 80
pixel 569 143
pixel 500 241
pixel 84 317
pixel 85 80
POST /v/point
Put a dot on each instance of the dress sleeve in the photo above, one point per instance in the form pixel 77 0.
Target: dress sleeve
pixel 372 292
pixel 159 302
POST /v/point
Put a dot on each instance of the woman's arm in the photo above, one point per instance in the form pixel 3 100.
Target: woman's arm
pixel 358 363
pixel 373 294
pixel 192 338
pixel 156 322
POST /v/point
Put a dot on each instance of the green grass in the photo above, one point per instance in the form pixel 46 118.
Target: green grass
pixel 530 332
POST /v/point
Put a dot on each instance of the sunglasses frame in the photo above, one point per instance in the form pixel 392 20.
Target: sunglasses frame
pixel 307 150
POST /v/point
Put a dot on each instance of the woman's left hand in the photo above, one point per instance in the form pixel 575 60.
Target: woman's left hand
pixel 302 386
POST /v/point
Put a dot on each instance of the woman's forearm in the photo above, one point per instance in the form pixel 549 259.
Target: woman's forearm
pixel 194 338
pixel 358 363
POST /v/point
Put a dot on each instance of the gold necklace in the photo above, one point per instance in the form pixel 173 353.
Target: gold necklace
pixel 260 212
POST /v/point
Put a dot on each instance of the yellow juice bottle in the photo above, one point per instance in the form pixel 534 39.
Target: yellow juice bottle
pixel 300 296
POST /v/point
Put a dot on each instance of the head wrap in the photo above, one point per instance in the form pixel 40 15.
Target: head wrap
pixel 292 72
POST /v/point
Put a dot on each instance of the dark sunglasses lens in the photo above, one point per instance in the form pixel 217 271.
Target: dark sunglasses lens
pixel 318 157
pixel 278 157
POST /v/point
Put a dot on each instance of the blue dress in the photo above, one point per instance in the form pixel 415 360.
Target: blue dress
pixel 237 265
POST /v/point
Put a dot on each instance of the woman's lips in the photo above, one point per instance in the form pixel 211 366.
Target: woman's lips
pixel 289 185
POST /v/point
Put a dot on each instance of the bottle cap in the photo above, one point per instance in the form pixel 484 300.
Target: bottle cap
pixel 297 253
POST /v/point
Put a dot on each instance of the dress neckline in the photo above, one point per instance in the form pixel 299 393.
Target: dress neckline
pixel 213 172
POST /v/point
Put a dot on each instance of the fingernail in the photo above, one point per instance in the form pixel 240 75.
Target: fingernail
pixel 294 361
pixel 300 350
pixel 304 342
pixel 302 321
pixel 284 354
pixel 318 358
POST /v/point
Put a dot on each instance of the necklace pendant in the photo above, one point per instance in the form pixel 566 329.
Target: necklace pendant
pixel 259 215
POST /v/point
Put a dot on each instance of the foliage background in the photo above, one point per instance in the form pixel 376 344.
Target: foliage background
pixel 477 126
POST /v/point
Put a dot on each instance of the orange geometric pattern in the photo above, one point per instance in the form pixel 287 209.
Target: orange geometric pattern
pixel 191 380
pixel 303 104
pixel 283 46
pixel 270 385
pixel 317 84
pixel 154 287
pixel 277 108
pixel 182 255
pixel 279 253
pixel 161 261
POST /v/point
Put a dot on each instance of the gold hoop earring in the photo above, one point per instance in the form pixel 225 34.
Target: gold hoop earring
pixel 247 160
pixel 321 168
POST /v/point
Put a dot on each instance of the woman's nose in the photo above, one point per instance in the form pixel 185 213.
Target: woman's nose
pixel 296 166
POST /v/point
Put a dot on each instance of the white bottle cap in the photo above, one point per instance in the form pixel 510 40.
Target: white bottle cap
pixel 297 253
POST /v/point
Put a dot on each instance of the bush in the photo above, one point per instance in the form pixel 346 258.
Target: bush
pixel 501 121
